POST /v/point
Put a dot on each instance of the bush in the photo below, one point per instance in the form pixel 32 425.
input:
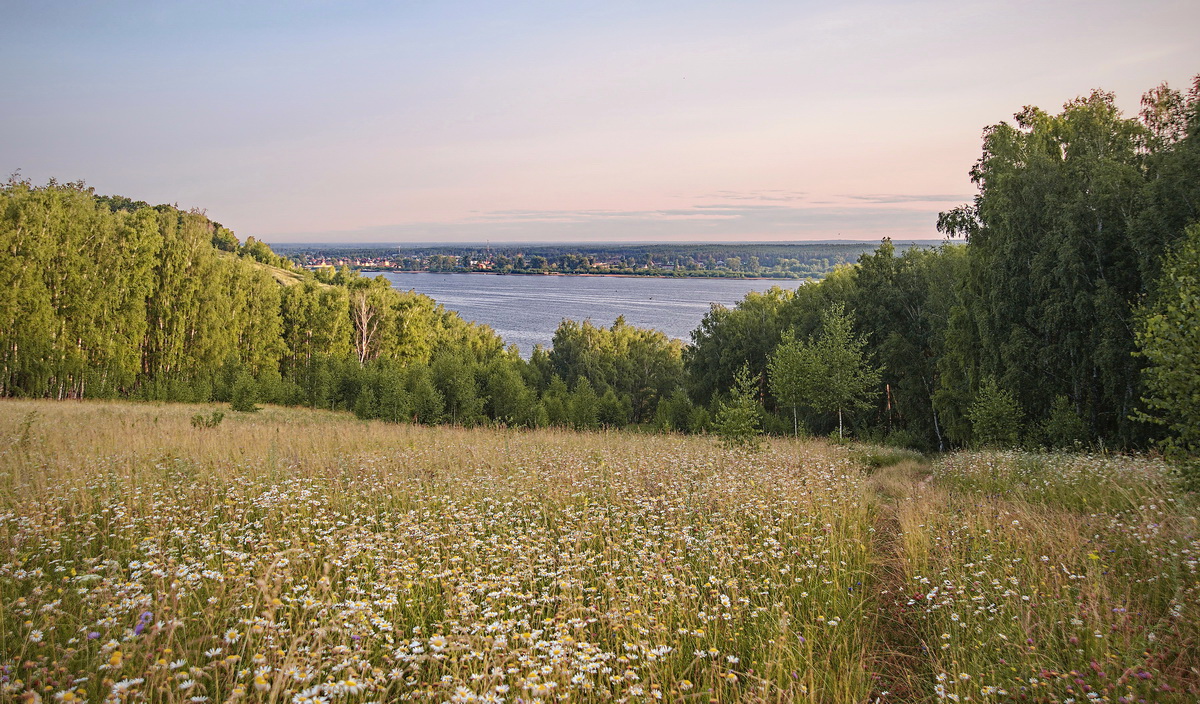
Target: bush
pixel 1064 428
pixel 674 413
pixel 737 420
pixel 1169 339
pixel 244 394
pixel 203 422
pixel 995 417
pixel 879 457
pixel 901 438
pixel 774 425
pixel 365 406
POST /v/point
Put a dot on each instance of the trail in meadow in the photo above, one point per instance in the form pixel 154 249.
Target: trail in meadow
pixel 897 657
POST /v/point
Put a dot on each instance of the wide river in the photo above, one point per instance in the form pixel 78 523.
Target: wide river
pixel 525 310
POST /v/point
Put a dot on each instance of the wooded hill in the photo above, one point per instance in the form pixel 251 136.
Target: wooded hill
pixel 107 297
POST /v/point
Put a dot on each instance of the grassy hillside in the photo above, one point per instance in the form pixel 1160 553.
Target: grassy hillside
pixel 285 277
pixel 298 555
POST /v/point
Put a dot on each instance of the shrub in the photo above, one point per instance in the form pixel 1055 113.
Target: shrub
pixel 244 394
pixel 202 421
pixel 1064 428
pixel 1169 339
pixel 737 420
pixel 995 417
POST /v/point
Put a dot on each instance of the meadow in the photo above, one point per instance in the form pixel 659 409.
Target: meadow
pixel 305 556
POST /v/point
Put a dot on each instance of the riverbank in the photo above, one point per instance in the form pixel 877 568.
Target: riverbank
pixel 376 270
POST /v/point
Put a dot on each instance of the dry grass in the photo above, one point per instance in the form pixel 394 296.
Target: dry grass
pixel 1079 586
pixel 304 556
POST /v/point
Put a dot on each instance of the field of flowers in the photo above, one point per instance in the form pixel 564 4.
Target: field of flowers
pixel 1053 578
pixel 304 556
pixel 300 556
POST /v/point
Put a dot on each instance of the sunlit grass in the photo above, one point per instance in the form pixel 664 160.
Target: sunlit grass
pixel 305 556
pixel 1054 578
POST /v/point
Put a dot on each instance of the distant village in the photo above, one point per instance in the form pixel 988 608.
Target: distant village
pixel 767 261
pixel 498 264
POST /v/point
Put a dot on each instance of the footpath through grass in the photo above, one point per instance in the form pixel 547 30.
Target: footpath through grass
pixel 303 556
pixel 1010 576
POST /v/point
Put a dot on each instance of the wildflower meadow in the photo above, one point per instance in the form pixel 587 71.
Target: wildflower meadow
pixel 306 556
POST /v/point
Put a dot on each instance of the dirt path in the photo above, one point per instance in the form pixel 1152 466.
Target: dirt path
pixel 897 656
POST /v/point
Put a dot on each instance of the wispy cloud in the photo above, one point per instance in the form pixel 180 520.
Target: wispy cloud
pixel 701 222
pixel 768 195
pixel 890 198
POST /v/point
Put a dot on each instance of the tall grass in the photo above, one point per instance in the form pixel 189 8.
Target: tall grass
pixel 1054 578
pixel 305 556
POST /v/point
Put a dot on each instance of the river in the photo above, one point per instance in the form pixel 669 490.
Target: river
pixel 525 310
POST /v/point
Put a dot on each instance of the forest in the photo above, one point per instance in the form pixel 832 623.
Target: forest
pixel 1061 311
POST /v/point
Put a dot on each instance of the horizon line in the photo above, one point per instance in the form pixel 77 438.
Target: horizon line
pixel 611 243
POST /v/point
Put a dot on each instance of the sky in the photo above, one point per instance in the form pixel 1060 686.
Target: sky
pixel 428 122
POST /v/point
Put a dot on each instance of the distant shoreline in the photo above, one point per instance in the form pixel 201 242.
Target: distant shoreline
pixel 790 262
pixel 610 276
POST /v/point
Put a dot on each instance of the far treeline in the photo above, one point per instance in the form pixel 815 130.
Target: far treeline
pixel 810 260
pixel 1068 317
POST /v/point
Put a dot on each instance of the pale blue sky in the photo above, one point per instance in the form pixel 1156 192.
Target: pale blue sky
pixel 555 121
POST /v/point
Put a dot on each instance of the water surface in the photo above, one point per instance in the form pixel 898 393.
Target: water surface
pixel 525 310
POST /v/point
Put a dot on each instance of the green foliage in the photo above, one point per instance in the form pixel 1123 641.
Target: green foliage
pixel 1072 214
pixel 1168 337
pixel 995 417
pixel 614 411
pixel 903 304
pixel 254 249
pixel 729 338
pixel 225 240
pixel 1064 428
pixel 73 283
pixel 584 406
pixel 556 402
pixel 244 394
pixel 392 403
pixel 794 374
pixel 874 458
pixel 782 261
pixel 509 400
pixel 365 406
pixel 640 366
pixel 738 418
pixel 834 373
pixel 675 413
pixel 212 420
pixel 106 296
pixel 427 403
pixel 454 377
